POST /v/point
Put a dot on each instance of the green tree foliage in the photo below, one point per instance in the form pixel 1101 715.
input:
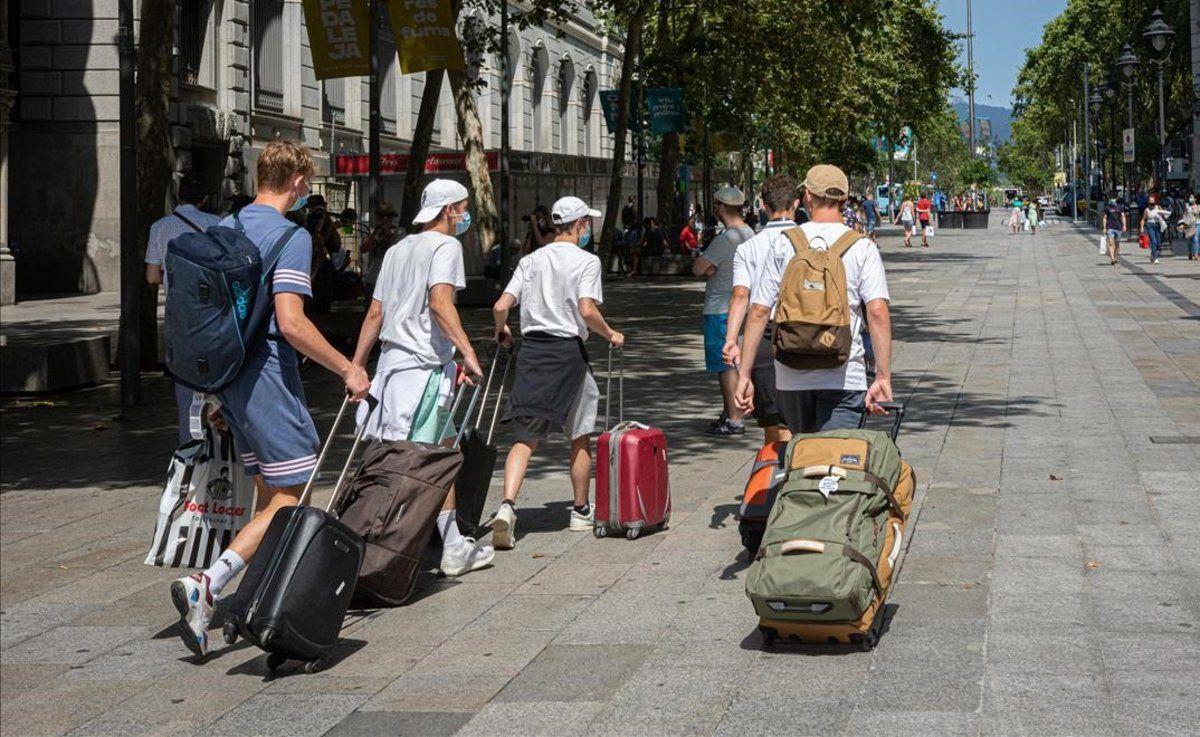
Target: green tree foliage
pixel 1049 90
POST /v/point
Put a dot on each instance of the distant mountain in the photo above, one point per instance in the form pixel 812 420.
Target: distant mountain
pixel 1001 118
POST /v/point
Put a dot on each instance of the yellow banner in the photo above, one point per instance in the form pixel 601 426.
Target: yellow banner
pixel 339 33
pixel 425 35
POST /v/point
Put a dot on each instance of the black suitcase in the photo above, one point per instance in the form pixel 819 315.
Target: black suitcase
pixel 298 585
pixel 479 456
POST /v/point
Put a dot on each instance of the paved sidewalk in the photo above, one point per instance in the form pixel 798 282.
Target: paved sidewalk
pixel 1046 589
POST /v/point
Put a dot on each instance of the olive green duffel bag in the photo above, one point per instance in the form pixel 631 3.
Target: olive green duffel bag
pixel 826 532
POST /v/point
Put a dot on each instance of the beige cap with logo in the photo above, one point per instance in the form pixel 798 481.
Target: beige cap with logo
pixel 828 181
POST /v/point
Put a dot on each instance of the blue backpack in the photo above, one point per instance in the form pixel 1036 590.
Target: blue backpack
pixel 219 303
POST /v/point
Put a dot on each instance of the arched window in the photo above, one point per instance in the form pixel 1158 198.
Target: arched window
pixel 589 132
pixel 568 128
pixel 539 114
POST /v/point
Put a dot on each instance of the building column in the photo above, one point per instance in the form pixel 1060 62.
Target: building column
pixel 8 265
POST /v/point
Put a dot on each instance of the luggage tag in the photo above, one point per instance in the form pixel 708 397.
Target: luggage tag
pixel 828 486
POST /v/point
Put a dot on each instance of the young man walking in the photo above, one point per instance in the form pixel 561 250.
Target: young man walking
pixel 413 312
pixel 186 218
pixel 558 289
pixel 833 398
pixel 265 406
pixel 870 210
pixel 779 200
pixel 925 217
pixel 715 263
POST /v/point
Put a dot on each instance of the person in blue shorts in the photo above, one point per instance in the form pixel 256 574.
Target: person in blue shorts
pixel 715 264
pixel 265 407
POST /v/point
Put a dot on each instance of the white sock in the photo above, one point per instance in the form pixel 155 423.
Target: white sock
pixel 223 571
pixel 447 525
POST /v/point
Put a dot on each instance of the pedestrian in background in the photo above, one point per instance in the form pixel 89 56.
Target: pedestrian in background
pixel 1154 222
pixel 1116 222
pixel 1033 216
pixel 1191 224
pixel 188 216
pixel 908 218
pixel 924 217
pixel 870 209
pixel 716 265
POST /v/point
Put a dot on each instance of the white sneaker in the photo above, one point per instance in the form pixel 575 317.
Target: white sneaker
pixel 470 556
pixel 195 604
pixel 504 528
pixel 583 522
pixel 1153 260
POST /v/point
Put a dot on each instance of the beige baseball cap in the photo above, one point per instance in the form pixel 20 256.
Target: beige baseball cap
pixel 730 196
pixel 826 180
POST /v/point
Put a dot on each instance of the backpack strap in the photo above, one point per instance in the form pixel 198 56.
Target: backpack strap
pixel 845 242
pixel 798 239
pixel 189 223
pixel 276 251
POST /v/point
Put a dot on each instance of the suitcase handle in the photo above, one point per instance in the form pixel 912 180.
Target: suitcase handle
pixel 372 403
pixel 620 387
pixel 896 409
pixel 499 391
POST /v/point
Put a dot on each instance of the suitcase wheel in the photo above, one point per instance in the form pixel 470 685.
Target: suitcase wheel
pixel 600 531
pixel 266 636
pixel 769 635
pixel 230 633
pixel 312 666
pixel 632 533
pixel 274 660
pixel 866 641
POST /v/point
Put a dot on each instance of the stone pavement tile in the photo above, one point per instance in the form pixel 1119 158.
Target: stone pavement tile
pixel 106 586
pixel 1074 704
pixel 675 701
pixel 1115 533
pixel 942 538
pixel 533 718
pixel 70 645
pixel 1048 576
pixel 22 621
pixel 122 548
pixel 1053 651
pixel 139 658
pixel 150 607
pixel 1152 651
pixel 285 714
pixel 941 723
pixel 712 617
pixel 1131 557
pixel 945 569
pixel 1167 714
pixel 17 678
pixel 25 584
pixel 423 723
pixel 766 711
pixel 574 673
pixel 462 690
pixel 568 579
pixel 549 612
pixel 622 620
pixel 614 550
pixel 325 682
pixel 494 652
pixel 935 604
pixel 59 706
pixel 1018 545
pixel 716 656
pixel 1140 601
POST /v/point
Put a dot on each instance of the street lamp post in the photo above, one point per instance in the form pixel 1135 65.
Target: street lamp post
pixel 1127 63
pixel 1096 103
pixel 1161 37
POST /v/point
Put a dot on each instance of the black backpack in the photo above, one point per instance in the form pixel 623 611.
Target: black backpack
pixel 219 303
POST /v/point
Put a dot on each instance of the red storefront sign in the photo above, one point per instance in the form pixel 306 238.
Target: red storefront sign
pixel 359 165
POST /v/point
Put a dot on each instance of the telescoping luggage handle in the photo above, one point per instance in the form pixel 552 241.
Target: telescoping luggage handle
pixel 372 404
pixel 487 388
pixel 620 387
pixel 896 409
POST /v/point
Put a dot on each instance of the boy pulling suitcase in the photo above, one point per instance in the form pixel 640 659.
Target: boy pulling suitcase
pixel 559 291
pixel 265 406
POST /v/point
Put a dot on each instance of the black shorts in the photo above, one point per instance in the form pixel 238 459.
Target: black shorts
pixel 766 413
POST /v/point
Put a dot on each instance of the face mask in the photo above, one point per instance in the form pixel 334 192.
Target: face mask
pixel 299 204
pixel 585 239
pixel 463 225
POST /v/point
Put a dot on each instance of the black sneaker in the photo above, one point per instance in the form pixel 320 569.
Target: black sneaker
pixel 718 422
pixel 725 429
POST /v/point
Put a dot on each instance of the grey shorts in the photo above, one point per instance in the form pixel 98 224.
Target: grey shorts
pixel 821 409
pixel 581 419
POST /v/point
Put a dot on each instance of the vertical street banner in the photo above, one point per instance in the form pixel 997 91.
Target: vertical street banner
pixel 1127 145
pixel 425 35
pixel 608 105
pixel 666 110
pixel 339 34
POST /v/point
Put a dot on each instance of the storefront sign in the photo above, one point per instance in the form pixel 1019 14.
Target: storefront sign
pixel 349 165
pixel 425 35
pixel 339 34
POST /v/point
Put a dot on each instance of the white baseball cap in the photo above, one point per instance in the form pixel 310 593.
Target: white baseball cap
pixel 569 209
pixel 730 196
pixel 438 194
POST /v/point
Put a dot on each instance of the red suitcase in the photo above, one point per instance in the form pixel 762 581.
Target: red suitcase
pixel 633 487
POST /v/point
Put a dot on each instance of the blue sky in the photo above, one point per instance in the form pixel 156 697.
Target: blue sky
pixel 1003 30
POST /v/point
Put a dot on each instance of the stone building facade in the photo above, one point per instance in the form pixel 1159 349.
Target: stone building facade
pixel 244 76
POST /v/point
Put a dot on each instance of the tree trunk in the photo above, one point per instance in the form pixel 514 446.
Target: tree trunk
pixel 668 166
pixel 470 130
pixel 612 205
pixel 155 157
pixel 419 151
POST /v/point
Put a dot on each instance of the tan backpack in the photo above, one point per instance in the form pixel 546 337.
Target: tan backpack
pixel 812 321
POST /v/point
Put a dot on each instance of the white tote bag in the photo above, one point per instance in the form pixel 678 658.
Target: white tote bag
pixel 1103 244
pixel 207 500
pixel 929 231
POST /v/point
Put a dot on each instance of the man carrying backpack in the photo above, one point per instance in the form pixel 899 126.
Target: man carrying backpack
pixel 265 406
pixel 818 282
pixel 186 218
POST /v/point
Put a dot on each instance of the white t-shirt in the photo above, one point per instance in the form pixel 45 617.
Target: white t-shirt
pixel 410 268
pixel 865 281
pixel 549 283
pixel 753 253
